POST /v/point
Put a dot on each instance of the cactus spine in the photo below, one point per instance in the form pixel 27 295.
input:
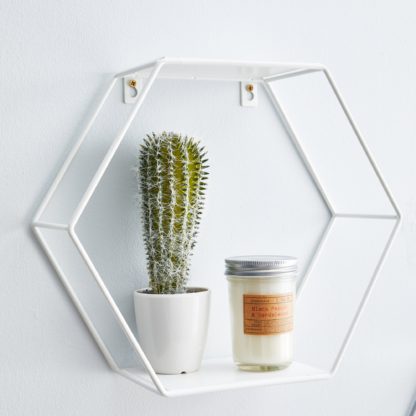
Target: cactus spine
pixel 172 180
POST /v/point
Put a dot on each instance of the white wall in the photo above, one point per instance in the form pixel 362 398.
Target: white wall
pixel 54 60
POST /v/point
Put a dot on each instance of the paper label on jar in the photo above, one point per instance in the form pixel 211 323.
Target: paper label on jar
pixel 268 314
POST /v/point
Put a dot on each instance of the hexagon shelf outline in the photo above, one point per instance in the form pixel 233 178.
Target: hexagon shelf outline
pixel 218 375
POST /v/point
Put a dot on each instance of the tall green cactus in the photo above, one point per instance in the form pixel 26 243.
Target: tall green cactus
pixel 172 179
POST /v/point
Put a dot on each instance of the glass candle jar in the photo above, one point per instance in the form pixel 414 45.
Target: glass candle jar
pixel 262 297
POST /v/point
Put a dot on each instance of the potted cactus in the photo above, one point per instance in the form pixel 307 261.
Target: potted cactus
pixel 171 318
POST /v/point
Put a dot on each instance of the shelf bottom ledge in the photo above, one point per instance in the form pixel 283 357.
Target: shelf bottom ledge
pixel 221 374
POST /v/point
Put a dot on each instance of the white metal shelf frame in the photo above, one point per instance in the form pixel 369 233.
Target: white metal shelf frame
pixel 173 68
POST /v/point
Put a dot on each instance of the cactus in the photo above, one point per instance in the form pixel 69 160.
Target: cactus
pixel 172 180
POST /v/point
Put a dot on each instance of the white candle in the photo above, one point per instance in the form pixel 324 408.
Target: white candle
pixel 262 296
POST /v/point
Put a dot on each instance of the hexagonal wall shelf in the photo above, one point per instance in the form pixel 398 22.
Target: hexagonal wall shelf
pixel 346 262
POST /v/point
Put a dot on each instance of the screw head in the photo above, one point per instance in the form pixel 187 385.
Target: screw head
pixel 132 83
pixel 250 87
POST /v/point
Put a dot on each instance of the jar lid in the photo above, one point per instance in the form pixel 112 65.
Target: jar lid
pixel 259 265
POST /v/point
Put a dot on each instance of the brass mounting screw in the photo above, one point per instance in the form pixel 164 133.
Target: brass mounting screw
pixel 250 87
pixel 132 83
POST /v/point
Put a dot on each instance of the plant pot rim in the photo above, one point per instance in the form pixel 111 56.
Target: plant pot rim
pixel 190 291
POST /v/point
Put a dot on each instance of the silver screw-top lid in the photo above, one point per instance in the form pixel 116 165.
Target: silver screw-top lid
pixel 260 265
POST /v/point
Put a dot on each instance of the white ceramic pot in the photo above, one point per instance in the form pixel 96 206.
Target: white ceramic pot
pixel 172 329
